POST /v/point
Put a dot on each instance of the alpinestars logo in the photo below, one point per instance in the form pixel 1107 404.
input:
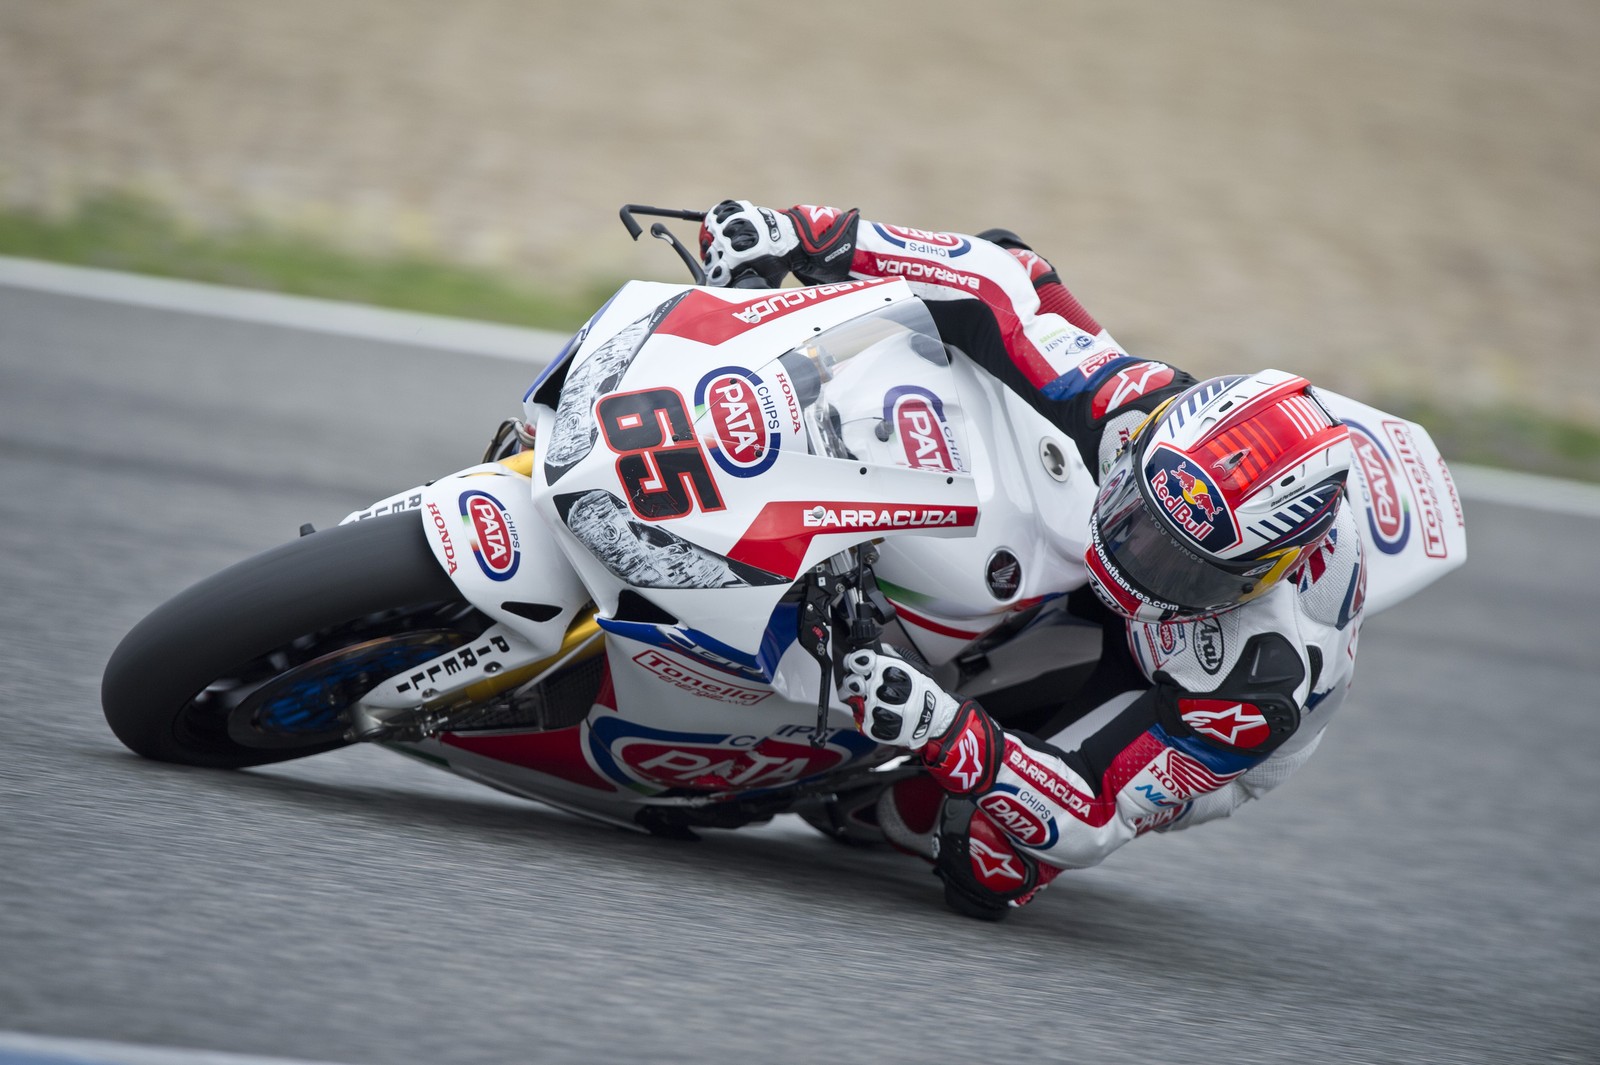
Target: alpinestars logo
pixel 992 863
pixel 820 217
pixel 1128 385
pixel 1239 725
pixel 969 763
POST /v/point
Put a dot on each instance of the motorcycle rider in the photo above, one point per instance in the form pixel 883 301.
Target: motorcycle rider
pixel 1231 578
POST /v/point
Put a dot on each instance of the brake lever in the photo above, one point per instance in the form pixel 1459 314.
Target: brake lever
pixel 838 618
pixel 660 231
pixel 816 637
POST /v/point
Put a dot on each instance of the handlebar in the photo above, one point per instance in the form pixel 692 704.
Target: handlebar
pixel 661 232
pixel 746 279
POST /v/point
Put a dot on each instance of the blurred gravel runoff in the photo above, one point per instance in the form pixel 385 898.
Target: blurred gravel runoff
pixel 1388 197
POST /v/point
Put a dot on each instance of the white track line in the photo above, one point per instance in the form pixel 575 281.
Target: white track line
pixel 539 346
pixel 17 1048
pixel 1486 484
pixel 296 312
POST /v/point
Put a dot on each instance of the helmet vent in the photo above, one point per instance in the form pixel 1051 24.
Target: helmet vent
pixel 1229 463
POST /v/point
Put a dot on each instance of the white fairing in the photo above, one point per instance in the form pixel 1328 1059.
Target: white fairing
pixel 1034 497
pixel 1411 518
pixel 487 537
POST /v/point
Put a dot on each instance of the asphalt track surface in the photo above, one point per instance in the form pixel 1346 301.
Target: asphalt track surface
pixel 1425 890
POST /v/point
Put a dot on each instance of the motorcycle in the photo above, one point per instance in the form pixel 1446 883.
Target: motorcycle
pixel 636 606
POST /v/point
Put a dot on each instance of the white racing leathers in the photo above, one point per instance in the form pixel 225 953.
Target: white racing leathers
pixel 1190 719
pixel 1235 704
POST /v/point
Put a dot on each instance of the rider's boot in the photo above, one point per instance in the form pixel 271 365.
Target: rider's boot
pixel 851 816
pixel 985 875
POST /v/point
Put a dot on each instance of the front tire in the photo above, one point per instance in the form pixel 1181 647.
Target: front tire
pixel 255 664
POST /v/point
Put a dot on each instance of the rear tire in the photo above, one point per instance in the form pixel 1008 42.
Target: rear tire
pixel 253 665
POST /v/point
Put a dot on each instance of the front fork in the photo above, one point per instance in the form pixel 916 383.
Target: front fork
pixel 443 691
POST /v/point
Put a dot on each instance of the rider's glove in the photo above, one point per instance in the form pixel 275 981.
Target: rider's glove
pixel 897 704
pixel 894 702
pixel 739 239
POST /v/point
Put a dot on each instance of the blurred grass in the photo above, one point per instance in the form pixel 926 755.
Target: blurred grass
pixel 1511 438
pixel 127 232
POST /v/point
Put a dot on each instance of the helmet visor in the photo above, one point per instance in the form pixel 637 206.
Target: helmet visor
pixel 1134 541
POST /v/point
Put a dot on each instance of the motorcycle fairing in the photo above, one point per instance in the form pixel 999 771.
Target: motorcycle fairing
pixel 649 556
pixel 1411 521
pixel 780 634
pixel 666 764
pixel 746 440
pixel 1034 495
pixel 488 537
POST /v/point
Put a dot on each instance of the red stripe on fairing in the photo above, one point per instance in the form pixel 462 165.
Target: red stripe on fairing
pixel 557 753
pixel 939 274
pixel 936 627
pixel 778 539
pixel 708 319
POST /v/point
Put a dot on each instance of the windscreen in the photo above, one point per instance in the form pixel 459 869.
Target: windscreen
pixel 879 390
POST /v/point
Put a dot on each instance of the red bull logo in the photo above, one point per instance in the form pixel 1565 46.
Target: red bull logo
pixel 1194 504
pixel 1195 492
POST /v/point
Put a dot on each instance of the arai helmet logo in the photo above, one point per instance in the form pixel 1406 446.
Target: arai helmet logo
pixel 495 543
pixel 1387 516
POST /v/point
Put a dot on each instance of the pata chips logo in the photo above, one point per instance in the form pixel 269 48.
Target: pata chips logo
pixel 744 420
pixel 1386 511
pixel 495 543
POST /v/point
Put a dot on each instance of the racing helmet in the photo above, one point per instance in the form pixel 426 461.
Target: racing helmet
pixel 1215 496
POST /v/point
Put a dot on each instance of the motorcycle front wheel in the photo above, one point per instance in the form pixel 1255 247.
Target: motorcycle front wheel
pixel 258 663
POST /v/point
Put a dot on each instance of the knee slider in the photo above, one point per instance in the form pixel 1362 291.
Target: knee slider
pixel 985 875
